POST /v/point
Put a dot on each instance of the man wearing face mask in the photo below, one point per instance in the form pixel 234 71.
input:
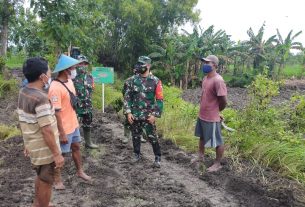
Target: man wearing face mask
pixel 68 126
pixel 127 132
pixel 143 103
pixel 39 128
pixel 213 100
pixel 84 85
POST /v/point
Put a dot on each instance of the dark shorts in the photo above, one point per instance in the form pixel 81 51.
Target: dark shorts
pixel 46 172
pixel 210 132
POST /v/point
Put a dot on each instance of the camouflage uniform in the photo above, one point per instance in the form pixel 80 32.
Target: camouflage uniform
pixel 143 97
pixel 126 124
pixel 84 84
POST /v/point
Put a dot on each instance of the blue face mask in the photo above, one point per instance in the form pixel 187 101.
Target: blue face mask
pixel 206 68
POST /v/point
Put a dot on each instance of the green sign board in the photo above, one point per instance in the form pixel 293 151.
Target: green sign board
pixel 103 75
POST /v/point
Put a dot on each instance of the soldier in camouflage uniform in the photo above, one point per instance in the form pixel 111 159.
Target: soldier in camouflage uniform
pixel 143 103
pixel 84 85
pixel 127 132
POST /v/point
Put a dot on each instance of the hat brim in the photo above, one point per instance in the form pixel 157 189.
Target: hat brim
pixel 206 60
pixel 65 67
pixel 84 61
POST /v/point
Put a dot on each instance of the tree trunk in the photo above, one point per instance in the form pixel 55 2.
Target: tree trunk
pixel 186 74
pixel 4 36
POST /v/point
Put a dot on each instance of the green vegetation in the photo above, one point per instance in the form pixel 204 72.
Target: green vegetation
pixel 15 60
pixel 7 86
pixel 267 135
pixel 111 96
pixel 296 71
pixel 178 120
pixel 7 132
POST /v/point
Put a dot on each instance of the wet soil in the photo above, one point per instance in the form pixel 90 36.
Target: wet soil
pixel 119 182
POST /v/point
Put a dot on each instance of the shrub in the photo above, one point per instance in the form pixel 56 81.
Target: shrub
pixel 8 132
pixel 2 63
pixel 241 81
pixel 7 86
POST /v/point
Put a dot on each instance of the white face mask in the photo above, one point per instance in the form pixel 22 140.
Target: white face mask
pixel 73 74
pixel 47 85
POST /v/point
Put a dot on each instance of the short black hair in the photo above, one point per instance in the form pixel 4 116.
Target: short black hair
pixel 34 67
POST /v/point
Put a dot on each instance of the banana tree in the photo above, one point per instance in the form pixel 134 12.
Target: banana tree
pixel 258 46
pixel 285 45
pixel 167 55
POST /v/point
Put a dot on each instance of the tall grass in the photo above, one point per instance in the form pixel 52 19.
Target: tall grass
pixel 262 136
pixel 15 61
pixel 111 95
pixel 178 120
pixel 7 86
pixel 294 71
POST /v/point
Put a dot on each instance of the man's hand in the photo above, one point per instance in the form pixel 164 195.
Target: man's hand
pixel 130 118
pixel 151 119
pixel 63 139
pixel 26 152
pixel 59 161
pixel 221 118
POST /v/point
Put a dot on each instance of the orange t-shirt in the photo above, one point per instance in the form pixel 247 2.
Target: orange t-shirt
pixel 60 99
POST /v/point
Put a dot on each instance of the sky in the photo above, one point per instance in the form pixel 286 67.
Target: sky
pixel 237 16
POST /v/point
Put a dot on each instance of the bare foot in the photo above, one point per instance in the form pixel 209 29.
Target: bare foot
pixel 215 167
pixel 59 186
pixel 84 176
pixel 49 205
pixel 197 160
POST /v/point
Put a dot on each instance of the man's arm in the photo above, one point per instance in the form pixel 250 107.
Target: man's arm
pixel 127 93
pixel 62 134
pixel 49 138
pixel 158 109
pixel 222 100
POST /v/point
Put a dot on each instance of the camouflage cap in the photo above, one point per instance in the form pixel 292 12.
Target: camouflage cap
pixel 83 58
pixel 144 60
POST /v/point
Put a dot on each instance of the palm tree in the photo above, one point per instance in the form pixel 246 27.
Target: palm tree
pixel 284 46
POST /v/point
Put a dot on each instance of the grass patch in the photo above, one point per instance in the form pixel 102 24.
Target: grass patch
pixel 178 120
pixel 7 132
pixel 294 71
pixel 15 61
pixel 7 86
pixel 262 136
pixel 112 95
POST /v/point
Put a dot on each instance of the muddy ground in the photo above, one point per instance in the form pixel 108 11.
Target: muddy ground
pixel 120 183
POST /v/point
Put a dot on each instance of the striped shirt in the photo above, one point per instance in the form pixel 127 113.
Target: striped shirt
pixel 35 111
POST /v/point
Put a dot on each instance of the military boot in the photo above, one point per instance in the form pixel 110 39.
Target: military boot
pixel 87 137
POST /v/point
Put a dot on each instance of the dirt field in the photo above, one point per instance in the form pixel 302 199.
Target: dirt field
pixel 120 183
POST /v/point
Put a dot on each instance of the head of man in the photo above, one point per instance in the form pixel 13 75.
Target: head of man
pixel 66 67
pixel 37 72
pixel 144 64
pixel 84 61
pixel 210 63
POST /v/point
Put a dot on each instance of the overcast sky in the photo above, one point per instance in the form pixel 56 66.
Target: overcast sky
pixel 237 16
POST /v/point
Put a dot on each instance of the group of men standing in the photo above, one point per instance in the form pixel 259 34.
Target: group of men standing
pixel 48 115
pixel 49 112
